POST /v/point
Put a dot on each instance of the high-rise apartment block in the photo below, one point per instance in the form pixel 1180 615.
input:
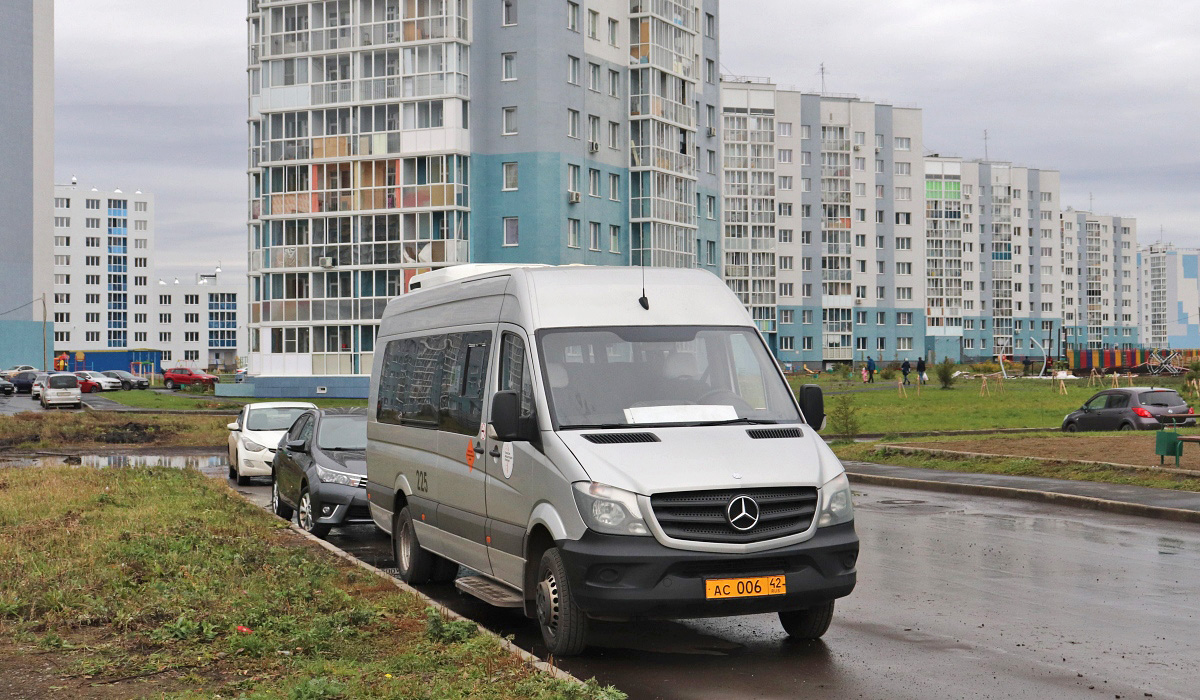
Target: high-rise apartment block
pixel 1101 303
pixel 389 138
pixel 1170 289
pixel 27 178
pixel 824 221
pixel 109 297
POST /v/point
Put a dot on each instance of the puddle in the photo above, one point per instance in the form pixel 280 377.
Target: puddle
pixel 176 461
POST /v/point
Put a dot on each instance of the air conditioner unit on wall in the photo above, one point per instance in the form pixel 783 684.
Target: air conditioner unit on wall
pixel 593 146
pixel 574 197
pixel 325 263
pixel 712 132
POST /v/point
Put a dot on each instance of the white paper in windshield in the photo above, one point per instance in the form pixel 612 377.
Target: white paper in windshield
pixel 690 413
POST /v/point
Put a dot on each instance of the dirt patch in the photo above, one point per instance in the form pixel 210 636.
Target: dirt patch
pixel 1136 449
pixel 33 675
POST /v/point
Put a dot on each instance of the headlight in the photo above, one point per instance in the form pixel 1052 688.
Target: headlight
pixel 836 505
pixel 252 445
pixel 610 510
pixel 329 476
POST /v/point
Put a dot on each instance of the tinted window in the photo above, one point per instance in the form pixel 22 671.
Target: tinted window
pixel 343 433
pixel 435 381
pixel 1097 402
pixel 64 382
pixel 467 357
pixel 514 372
pixel 1118 400
pixel 1161 398
pixel 298 428
pixel 273 418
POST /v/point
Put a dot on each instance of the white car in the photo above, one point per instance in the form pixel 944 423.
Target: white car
pixel 39 383
pixel 17 369
pixel 61 389
pixel 106 382
pixel 255 435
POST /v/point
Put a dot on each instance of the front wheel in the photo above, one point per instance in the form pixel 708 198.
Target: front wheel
pixel 169 385
pixel 126 386
pixel 1071 427
pixel 278 507
pixel 306 516
pixel 564 625
pixel 807 624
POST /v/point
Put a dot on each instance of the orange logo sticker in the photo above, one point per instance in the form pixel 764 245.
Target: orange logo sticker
pixel 470 455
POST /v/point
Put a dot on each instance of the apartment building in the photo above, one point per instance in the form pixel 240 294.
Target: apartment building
pixel 388 139
pixel 1170 296
pixel 27 178
pixel 1101 299
pixel 824 222
pixel 994 280
pixel 108 296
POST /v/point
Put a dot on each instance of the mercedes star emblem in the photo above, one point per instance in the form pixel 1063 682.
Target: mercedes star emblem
pixel 742 513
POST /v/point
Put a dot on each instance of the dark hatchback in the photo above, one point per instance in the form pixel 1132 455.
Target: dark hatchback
pixel 23 381
pixel 128 380
pixel 6 387
pixel 320 470
pixel 1137 408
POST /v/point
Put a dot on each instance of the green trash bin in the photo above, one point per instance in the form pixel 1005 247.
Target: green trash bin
pixel 1167 444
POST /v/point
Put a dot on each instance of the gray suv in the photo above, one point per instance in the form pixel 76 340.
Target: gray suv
pixel 1136 408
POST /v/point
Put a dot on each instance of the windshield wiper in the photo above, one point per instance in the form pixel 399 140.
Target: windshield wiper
pixel 736 421
pixel 344 449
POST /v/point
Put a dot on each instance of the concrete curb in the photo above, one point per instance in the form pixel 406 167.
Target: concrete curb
pixel 532 660
pixel 1049 497
pixel 906 449
pixel 948 433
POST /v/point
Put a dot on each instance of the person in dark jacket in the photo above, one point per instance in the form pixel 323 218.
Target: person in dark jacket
pixel 921 370
pixel 905 369
pixel 870 370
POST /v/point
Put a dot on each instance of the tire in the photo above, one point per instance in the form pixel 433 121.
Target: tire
pixel 414 564
pixel 278 507
pixel 564 626
pixel 126 386
pixel 1127 426
pixel 807 624
pixel 233 461
pixel 169 385
pixel 241 480
pixel 305 515
pixel 1071 428
pixel 45 406
pixel 444 570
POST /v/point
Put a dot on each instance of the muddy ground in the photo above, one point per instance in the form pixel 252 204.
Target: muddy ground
pixel 1136 448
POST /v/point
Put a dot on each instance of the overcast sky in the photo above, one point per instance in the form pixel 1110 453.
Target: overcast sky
pixel 151 95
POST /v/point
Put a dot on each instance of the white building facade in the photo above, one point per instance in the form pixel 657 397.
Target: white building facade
pixel 109 297
pixel 1170 290
pixel 1101 297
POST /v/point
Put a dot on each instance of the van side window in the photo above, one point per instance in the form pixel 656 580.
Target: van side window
pixel 466 360
pixel 410 384
pixel 514 373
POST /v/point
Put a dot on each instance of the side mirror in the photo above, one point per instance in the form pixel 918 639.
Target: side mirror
pixel 507 421
pixel 296 446
pixel 812 404
pixel 232 426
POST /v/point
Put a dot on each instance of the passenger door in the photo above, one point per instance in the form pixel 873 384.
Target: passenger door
pixel 1115 412
pixel 516 471
pixel 287 471
pixel 1091 418
pixel 235 436
pixel 462 510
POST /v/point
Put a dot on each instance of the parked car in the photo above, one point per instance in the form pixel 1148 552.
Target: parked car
pixel 86 385
pixel 39 383
pixel 255 435
pixel 7 388
pixel 320 470
pixel 23 381
pixel 61 389
pixel 182 376
pixel 1135 408
pixel 127 379
pixel 17 369
pixel 105 382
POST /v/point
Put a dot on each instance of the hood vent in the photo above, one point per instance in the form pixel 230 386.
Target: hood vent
pixel 774 433
pixel 620 438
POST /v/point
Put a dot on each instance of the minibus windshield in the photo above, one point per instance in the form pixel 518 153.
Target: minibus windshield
pixel 663 375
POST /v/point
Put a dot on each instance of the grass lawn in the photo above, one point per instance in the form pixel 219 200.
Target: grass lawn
pixel 1023 404
pixel 186 401
pixel 1017 466
pixel 31 431
pixel 164 583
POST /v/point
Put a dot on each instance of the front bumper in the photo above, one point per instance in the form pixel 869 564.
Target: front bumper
pixel 622 577
pixel 336 504
pixel 257 463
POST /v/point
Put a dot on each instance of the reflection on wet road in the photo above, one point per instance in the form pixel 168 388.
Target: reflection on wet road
pixel 958 597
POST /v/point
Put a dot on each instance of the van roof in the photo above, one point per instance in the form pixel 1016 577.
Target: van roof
pixel 569 297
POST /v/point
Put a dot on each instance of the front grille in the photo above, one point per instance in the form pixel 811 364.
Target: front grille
pixel 774 433
pixel 619 438
pixel 700 516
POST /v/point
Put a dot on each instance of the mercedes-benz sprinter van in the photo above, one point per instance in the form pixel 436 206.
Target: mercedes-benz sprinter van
pixel 603 443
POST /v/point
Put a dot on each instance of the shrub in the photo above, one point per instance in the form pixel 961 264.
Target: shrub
pixel 985 368
pixel 945 373
pixel 888 374
pixel 1194 372
pixel 843 417
pixel 439 629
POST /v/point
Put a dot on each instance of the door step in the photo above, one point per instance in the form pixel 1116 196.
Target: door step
pixel 490 592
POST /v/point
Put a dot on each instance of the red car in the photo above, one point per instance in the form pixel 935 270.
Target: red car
pixel 86 385
pixel 182 376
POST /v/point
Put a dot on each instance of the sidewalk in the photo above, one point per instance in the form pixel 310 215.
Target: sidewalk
pixel 1181 506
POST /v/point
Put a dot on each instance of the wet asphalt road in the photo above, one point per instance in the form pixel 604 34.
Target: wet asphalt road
pixel 958 597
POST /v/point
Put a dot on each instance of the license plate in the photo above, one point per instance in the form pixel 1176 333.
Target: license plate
pixel 744 587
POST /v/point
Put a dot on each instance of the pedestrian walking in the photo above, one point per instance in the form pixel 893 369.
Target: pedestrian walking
pixel 905 369
pixel 870 370
pixel 921 376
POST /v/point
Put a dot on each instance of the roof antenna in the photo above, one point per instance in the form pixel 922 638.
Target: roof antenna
pixel 644 301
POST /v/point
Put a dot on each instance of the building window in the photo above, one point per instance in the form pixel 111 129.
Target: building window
pixel 903 143
pixel 512 231
pixel 787 342
pixel 593 26
pixel 785 182
pixel 91 223
pixel 62 203
pixel 594 77
pixel 62 222
pixel 509 121
pixel 508 66
pixel 573 16
pixel 573 178
pixel 903 218
pixel 786 262
pixel 614 187
pixel 806 317
pixel 903 168
pixel 573 123
pixel 904 268
pixel 785 235
pixel 594 235
pixel 904 294
pixel 786 289
pixel 614 239
pixel 572 70
pixel 614 135
pixel 510 12
pixel 62 279
pixel 92 204
pixel 903 344
pixel 573 227
pixel 614 32
pixel 785 129
pixel 904 194
pixel 785 155
pixel 785 209
pixel 593 182
pixel 787 316
pixel 614 84
pixel 805 131
pixel 62 259
pixel 904 318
